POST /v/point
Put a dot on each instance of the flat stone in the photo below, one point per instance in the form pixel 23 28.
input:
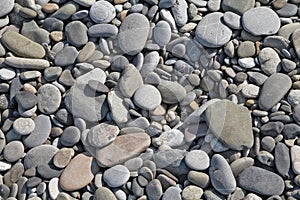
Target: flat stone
pixel 130 81
pixel 226 119
pixel 116 176
pixel 172 192
pixel 48 171
pixel 269 60
pixel 172 138
pixel 258 180
pixel 77 174
pixel 119 63
pixel 103 30
pixel 103 193
pixel 66 11
pixel 102 134
pixel 13 151
pixel 22 46
pixel 296 41
pixel 40 133
pixel 295 158
pixel 273 90
pixel 76 33
pixel 7 74
pixel 23 126
pixel 49 98
pixel 102 12
pixel 98 86
pixel 30 75
pixel 282 159
pixel 294 97
pixel 232 20
pixel 85 3
pixel 147 97
pixel 53 188
pixel 221 175
pixel 129 39
pixel 266 21
pixel 83 103
pixel 239 7
pixel 151 61
pixel 63 157
pixel 276 41
pixel 7 7
pixel 288 10
pixel 272 128
pixel 179 10
pixel 287 30
pixel 211 31
pixel 171 92
pixel 39 155
pixel 70 136
pixel 197 160
pixel 66 56
pixel 123 148
pixel 192 192
pixel 119 112
pixel 27 63
pixel 199 178
pixel 32 31
pixel 246 49
pixel 250 91
pixel 26 99
pixel 154 190
pixel 162 32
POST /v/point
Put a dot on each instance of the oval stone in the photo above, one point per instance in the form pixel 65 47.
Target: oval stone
pixel 130 39
pixel 49 98
pixel 171 92
pixel 22 46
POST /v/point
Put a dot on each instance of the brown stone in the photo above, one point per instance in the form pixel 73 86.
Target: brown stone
pixel 77 174
pixel 122 149
pixel 63 157
pixel 120 1
pixel 50 8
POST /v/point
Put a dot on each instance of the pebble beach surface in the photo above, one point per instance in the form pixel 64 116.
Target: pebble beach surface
pixel 149 99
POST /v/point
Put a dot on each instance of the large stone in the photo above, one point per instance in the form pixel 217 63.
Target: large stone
pixel 237 6
pixel 212 32
pixel 22 46
pixel 273 90
pixel 261 181
pixel 130 39
pixel 123 148
pixel 6 7
pixel 230 123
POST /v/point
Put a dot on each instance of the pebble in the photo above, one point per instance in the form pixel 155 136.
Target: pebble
pixel 179 11
pixel 116 176
pixel 192 192
pixel 103 193
pixel 232 20
pixel 23 126
pixel 49 98
pixel 172 192
pixel 162 32
pixel 76 33
pixel 119 112
pixel 66 56
pixel 171 92
pixel 7 7
pixel 154 190
pixel 103 30
pixel 27 63
pixel 269 60
pixel 32 31
pixel 147 97
pixel 296 42
pixel 274 88
pixel 70 136
pixel 103 134
pixel 266 21
pixel 197 160
pixel 119 153
pixel 258 180
pixel 211 31
pixel 240 164
pixel 40 133
pixel 13 151
pixel 39 155
pixel 102 12
pixel 239 7
pixel 295 158
pixel 130 41
pixel 199 178
pixel 221 175
pixel 77 174
pixel 7 74
pixel 172 138
pixel 65 11
pixel 224 114
pixel 130 81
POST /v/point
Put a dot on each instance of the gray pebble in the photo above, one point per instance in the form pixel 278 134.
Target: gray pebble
pixel 102 134
pixel 103 30
pixel 66 56
pixel 76 33
pixel 23 126
pixel 197 160
pixel 116 176
pixel 49 98
pixel 70 136
pixel 102 12
pixel 13 151
pixel 147 97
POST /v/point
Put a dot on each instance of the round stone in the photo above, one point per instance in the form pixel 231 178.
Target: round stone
pixel 63 157
pixel 116 176
pixel 102 134
pixel 147 97
pixel 162 33
pixel 261 21
pixel 102 12
pixel 70 136
pixel 171 92
pixel 6 7
pixel 130 40
pixel 211 31
pixel 49 98
pixel 7 74
pixel 192 192
pixel 197 160
pixel 76 33
pixel 13 151
pixel 23 126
